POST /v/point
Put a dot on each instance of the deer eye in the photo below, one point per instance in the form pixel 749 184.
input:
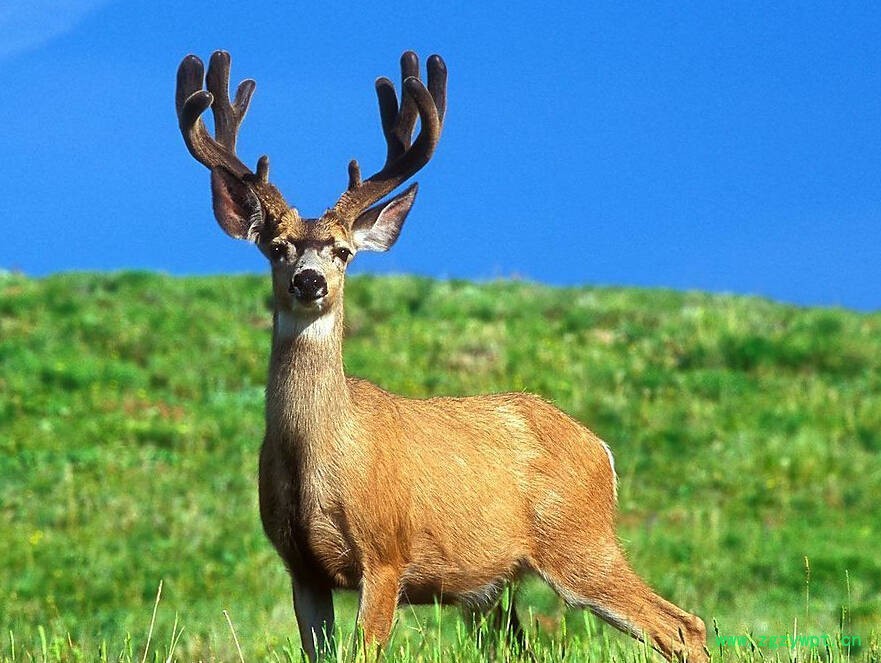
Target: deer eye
pixel 342 253
pixel 278 251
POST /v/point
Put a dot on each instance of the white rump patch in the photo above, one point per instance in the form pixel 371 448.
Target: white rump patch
pixel 612 465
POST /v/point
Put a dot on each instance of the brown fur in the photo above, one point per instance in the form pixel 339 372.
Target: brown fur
pixel 448 498
pixel 407 500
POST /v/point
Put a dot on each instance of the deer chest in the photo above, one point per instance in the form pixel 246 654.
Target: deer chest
pixel 306 524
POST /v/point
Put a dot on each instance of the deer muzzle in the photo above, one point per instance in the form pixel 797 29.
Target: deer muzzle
pixel 308 286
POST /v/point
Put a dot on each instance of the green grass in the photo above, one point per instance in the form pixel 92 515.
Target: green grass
pixel 746 433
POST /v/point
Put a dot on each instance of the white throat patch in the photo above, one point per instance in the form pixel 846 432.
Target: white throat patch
pixel 289 326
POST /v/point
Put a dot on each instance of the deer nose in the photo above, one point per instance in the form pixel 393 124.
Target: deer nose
pixel 308 285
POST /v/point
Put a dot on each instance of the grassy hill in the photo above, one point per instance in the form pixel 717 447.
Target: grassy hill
pixel 747 437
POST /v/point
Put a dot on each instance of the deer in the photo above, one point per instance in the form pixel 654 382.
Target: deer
pixel 405 500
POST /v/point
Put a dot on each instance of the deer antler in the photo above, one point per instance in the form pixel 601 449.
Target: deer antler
pixel 403 159
pixel 191 101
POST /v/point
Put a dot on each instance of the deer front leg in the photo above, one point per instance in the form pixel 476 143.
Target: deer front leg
pixel 313 606
pixel 376 608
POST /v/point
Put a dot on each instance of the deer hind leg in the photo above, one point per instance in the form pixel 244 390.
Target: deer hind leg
pixel 488 624
pixel 607 585
pixel 502 619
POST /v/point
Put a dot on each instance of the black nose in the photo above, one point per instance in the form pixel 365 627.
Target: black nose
pixel 309 285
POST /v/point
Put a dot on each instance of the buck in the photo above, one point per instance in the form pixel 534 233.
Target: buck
pixel 406 500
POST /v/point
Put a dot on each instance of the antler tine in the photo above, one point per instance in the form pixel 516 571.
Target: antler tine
pixel 437 84
pixel 403 130
pixel 397 125
pixel 354 175
pixel 227 117
pixel 191 101
pixel 190 75
pixel 403 159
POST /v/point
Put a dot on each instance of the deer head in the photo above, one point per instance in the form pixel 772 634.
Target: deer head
pixel 309 257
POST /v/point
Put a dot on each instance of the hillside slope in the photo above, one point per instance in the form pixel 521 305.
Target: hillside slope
pixel 746 434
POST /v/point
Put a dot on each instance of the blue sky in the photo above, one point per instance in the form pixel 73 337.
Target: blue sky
pixel 725 147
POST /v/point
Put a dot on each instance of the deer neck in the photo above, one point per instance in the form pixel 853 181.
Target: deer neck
pixel 307 400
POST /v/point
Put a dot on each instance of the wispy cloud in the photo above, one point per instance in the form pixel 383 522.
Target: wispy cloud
pixel 32 23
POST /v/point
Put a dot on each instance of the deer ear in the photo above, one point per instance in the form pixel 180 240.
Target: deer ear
pixel 236 206
pixel 378 227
